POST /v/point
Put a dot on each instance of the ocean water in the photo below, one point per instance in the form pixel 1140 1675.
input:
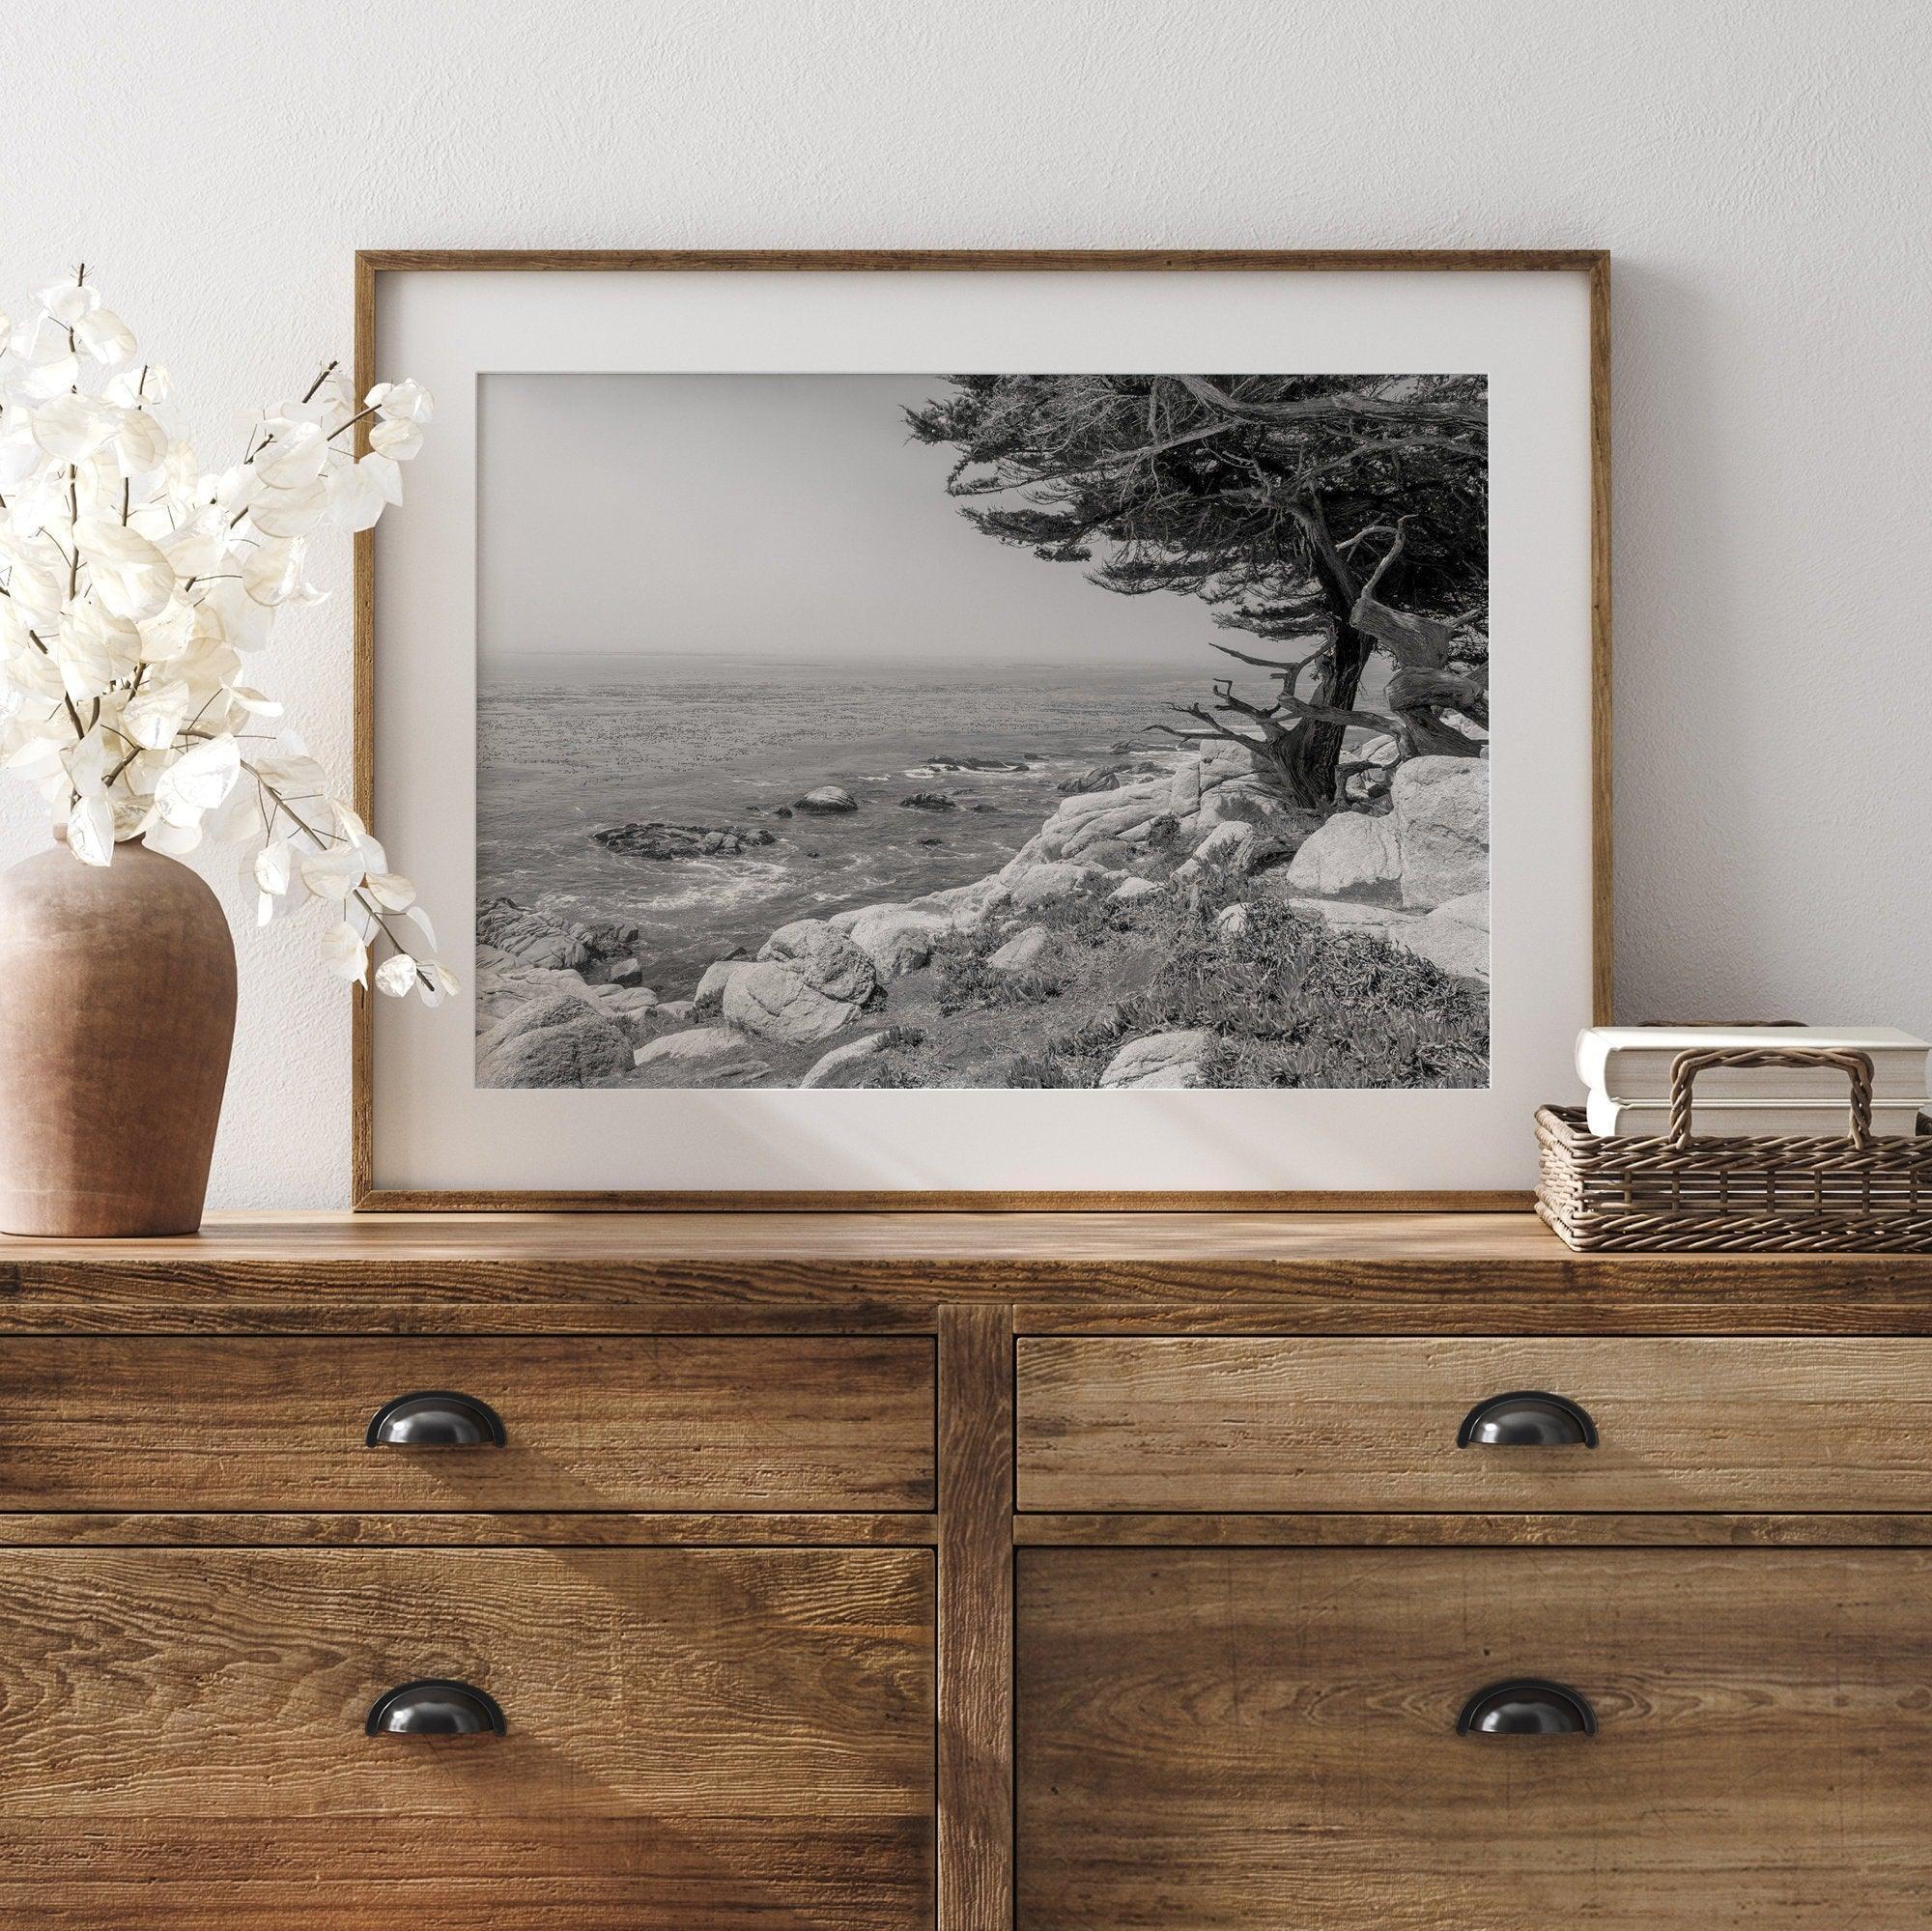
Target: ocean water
pixel 566 745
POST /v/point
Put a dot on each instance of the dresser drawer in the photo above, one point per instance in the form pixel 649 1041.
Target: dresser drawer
pixel 693 1737
pixel 1283 1425
pixel 670 1422
pixel 1219 1740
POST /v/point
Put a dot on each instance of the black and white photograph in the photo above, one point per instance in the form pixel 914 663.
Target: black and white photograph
pixel 869 731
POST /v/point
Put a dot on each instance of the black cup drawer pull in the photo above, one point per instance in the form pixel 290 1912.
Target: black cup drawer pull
pixel 433 1705
pixel 1527 1418
pixel 1527 1707
pixel 435 1418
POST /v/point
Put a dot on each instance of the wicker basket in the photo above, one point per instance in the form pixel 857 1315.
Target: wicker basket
pixel 1850 1194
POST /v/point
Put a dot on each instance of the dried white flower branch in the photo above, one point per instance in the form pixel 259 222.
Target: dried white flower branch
pixel 132 583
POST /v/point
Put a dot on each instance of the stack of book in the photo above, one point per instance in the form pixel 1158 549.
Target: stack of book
pixel 1627 1069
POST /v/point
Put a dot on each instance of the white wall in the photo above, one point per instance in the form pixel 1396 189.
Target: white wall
pixel 1758 170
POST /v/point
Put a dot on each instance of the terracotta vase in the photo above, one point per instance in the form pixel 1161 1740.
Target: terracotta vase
pixel 117 1010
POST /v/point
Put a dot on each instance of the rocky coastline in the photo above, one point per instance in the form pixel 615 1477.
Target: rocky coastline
pixel 851 1000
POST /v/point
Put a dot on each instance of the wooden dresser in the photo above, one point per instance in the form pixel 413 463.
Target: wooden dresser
pixel 857 1573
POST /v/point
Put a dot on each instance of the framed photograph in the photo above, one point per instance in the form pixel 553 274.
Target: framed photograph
pixel 988 729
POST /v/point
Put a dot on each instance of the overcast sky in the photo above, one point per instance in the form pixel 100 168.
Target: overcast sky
pixel 778 515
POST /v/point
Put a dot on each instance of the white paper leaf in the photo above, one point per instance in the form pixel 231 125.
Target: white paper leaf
pixel 105 337
pixel 356 498
pixel 274 865
pixel 391 890
pixel 396 438
pixel 396 975
pixel 94 650
pixel 70 301
pixel 438 982
pixel 272 570
pixel 54 376
pixel 90 830
pixel 142 444
pixel 72 427
pixel 333 873
pixel 132 577
pixel 254 702
pixel 294 456
pixel 198 779
pixel 291 512
pixel 174 841
pixel 166 637
pixel 289 770
pixel 384 473
pixel 407 402
pixel 344 952
pixel 421 919
pixel 153 714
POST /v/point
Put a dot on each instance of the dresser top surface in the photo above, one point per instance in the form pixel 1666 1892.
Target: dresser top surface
pixel 1067 1238
pixel 1312 1272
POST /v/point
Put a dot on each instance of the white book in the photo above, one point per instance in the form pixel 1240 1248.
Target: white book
pixel 1649 1119
pixel 1633 1062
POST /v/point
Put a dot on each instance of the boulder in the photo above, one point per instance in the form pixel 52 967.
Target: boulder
pixel 717 976
pixel 1440 810
pixel 832 1069
pixel 1353 915
pixel 624 972
pixel 1233 921
pixel 712 1050
pixel 533 938
pixel 1159 1060
pixel 928 801
pixel 1236 848
pixel 1132 890
pixel 1021 950
pixel 634 1008
pixel 965 908
pixel 830 961
pixel 1184 790
pixel 827 799
pixel 776 999
pixel 673 1011
pixel 656 839
pixel 1055 880
pixel 897 939
pixel 552 1009
pixel 1454 936
pixel 800 936
pixel 1354 852
pixel 563 1043
pixel 503 984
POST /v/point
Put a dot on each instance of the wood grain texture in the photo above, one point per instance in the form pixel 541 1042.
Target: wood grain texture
pixel 976 1612
pixel 668 1422
pixel 1337 1273
pixel 1443 1531
pixel 1593 264
pixel 1369 1425
pixel 1220 1738
pixel 1603 877
pixel 732 1739
pixel 474 1528
pixel 950 261
pixel 363 743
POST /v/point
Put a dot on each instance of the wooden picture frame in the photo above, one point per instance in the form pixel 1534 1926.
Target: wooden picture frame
pixel 373 266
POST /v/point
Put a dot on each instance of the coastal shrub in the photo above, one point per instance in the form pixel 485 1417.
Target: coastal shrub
pixel 962 977
pixel 1294 1003
pixel 1290 1001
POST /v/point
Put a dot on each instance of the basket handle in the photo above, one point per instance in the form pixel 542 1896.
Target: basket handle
pixel 1685 1066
